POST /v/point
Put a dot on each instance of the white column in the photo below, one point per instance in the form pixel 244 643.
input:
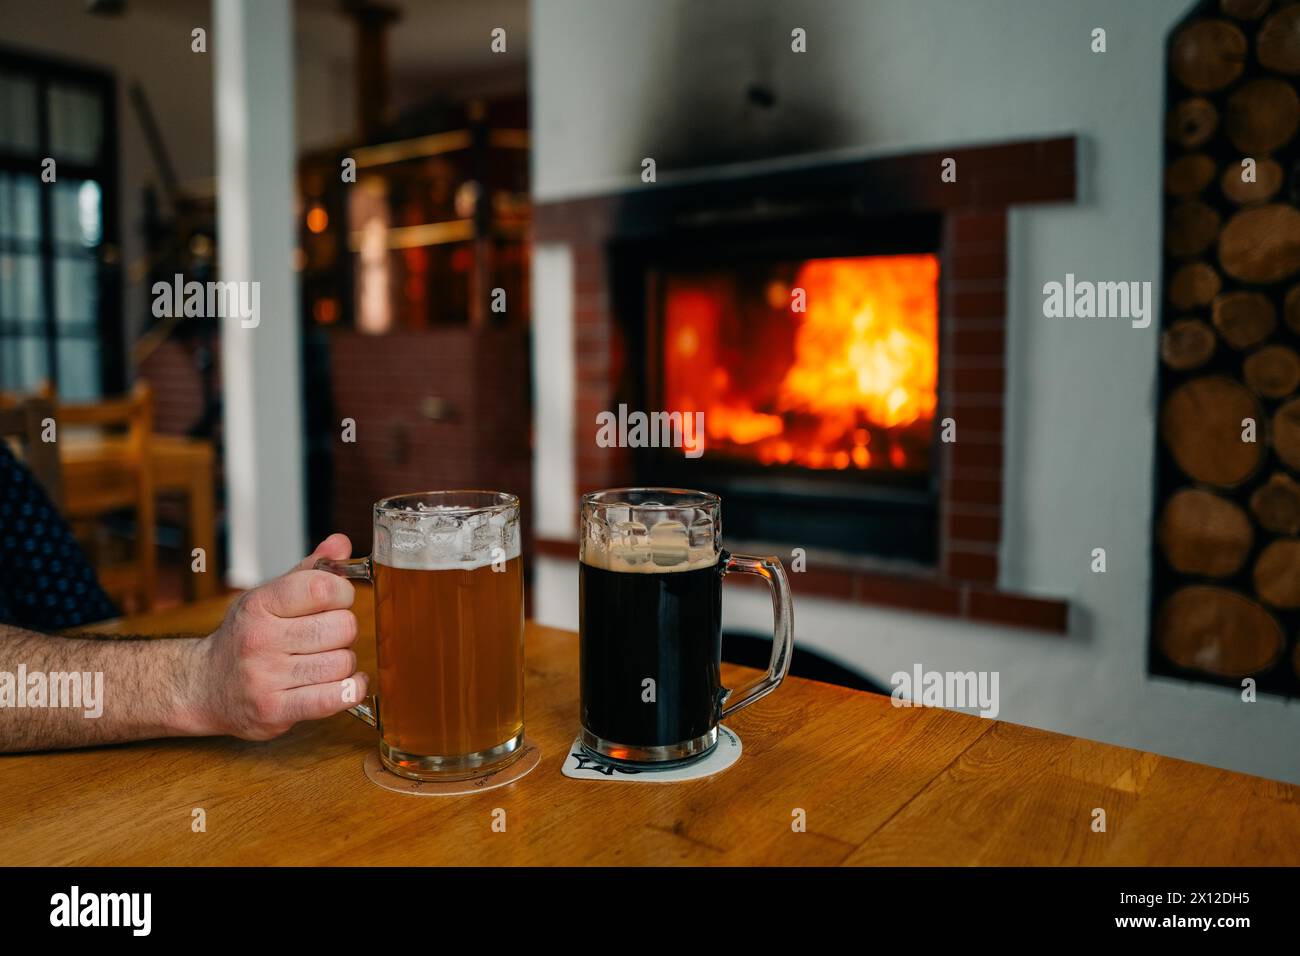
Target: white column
pixel 554 474
pixel 252 50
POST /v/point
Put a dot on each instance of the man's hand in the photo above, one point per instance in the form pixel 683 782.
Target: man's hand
pixel 283 654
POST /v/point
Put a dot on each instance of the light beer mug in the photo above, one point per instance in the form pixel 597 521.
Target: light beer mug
pixel 449 632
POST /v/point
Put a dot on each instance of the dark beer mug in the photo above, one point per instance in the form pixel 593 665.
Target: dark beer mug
pixel 650 605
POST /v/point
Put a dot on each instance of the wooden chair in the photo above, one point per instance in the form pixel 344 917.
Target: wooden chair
pixel 23 423
pixel 124 481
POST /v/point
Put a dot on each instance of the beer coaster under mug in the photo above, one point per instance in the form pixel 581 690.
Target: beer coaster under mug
pixel 517 769
pixel 582 766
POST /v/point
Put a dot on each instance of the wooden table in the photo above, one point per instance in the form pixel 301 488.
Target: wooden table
pixel 182 465
pixel 878 784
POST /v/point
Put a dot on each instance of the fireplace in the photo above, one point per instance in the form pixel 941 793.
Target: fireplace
pixel 815 361
pixel 846 381
pixel 842 326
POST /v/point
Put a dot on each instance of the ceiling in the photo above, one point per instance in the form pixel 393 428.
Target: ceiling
pixel 434 44
pixel 439 39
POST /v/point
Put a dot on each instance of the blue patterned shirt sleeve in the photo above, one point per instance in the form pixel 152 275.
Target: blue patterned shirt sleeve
pixel 46 583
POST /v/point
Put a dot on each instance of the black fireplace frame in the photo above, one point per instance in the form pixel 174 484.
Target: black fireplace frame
pixel 884 515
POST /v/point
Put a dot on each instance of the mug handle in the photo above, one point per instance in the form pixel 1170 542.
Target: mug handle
pixel 771 571
pixel 358 569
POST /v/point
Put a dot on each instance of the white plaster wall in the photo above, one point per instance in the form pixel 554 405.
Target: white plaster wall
pixel 617 80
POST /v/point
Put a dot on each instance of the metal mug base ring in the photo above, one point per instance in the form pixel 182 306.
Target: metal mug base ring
pixel 502 775
pixel 652 757
pixel 448 769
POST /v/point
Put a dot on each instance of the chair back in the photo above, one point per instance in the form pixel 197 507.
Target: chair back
pixel 25 423
pixel 124 477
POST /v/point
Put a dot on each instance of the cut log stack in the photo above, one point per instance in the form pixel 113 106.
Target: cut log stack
pixel 1226 601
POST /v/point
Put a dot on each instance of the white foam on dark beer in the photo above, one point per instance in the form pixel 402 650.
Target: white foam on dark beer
pixel 621 560
pixel 661 549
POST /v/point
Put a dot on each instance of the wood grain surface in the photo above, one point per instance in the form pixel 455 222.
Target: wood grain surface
pixel 878 785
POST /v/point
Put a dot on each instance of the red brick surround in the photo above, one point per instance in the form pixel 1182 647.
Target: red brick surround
pixel 972 360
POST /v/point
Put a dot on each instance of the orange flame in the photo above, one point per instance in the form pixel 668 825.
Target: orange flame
pixel 863 358
pixel 867 343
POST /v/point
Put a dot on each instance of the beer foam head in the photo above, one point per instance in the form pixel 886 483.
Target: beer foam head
pixel 650 531
pixel 446 531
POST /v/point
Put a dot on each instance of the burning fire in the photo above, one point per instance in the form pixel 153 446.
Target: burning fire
pixel 850 383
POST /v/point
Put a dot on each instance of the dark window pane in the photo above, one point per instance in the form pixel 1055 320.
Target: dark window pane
pixel 20 213
pixel 44 112
pixel 18 126
pixel 76 123
pixel 20 287
pixel 77 217
pixel 76 294
pixel 23 365
pixel 78 369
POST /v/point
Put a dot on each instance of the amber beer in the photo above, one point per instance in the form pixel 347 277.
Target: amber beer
pixel 451 658
pixel 449 629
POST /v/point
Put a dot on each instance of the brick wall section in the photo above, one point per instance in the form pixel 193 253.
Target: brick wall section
pixel 972 387
pixel 599 354
pixel 382 381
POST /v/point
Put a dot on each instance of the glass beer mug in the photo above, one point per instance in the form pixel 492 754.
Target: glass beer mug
pixel 449 632
pixel 650 606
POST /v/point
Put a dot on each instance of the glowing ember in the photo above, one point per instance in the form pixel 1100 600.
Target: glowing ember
pixel 849 383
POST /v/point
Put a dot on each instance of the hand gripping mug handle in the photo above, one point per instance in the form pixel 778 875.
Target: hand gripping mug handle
pixel 358 569
pixel 771 571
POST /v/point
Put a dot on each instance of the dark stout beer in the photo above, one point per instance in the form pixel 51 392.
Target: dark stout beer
pixel 655 622
pixel 650 569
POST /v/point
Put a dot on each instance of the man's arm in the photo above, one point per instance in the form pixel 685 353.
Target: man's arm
pixel 126 689
pixel 282 654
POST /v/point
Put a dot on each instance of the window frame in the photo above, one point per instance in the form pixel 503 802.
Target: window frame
pixel 46 71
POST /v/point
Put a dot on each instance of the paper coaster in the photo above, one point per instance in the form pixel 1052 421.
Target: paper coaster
pixel 582 766
pixel 515 770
